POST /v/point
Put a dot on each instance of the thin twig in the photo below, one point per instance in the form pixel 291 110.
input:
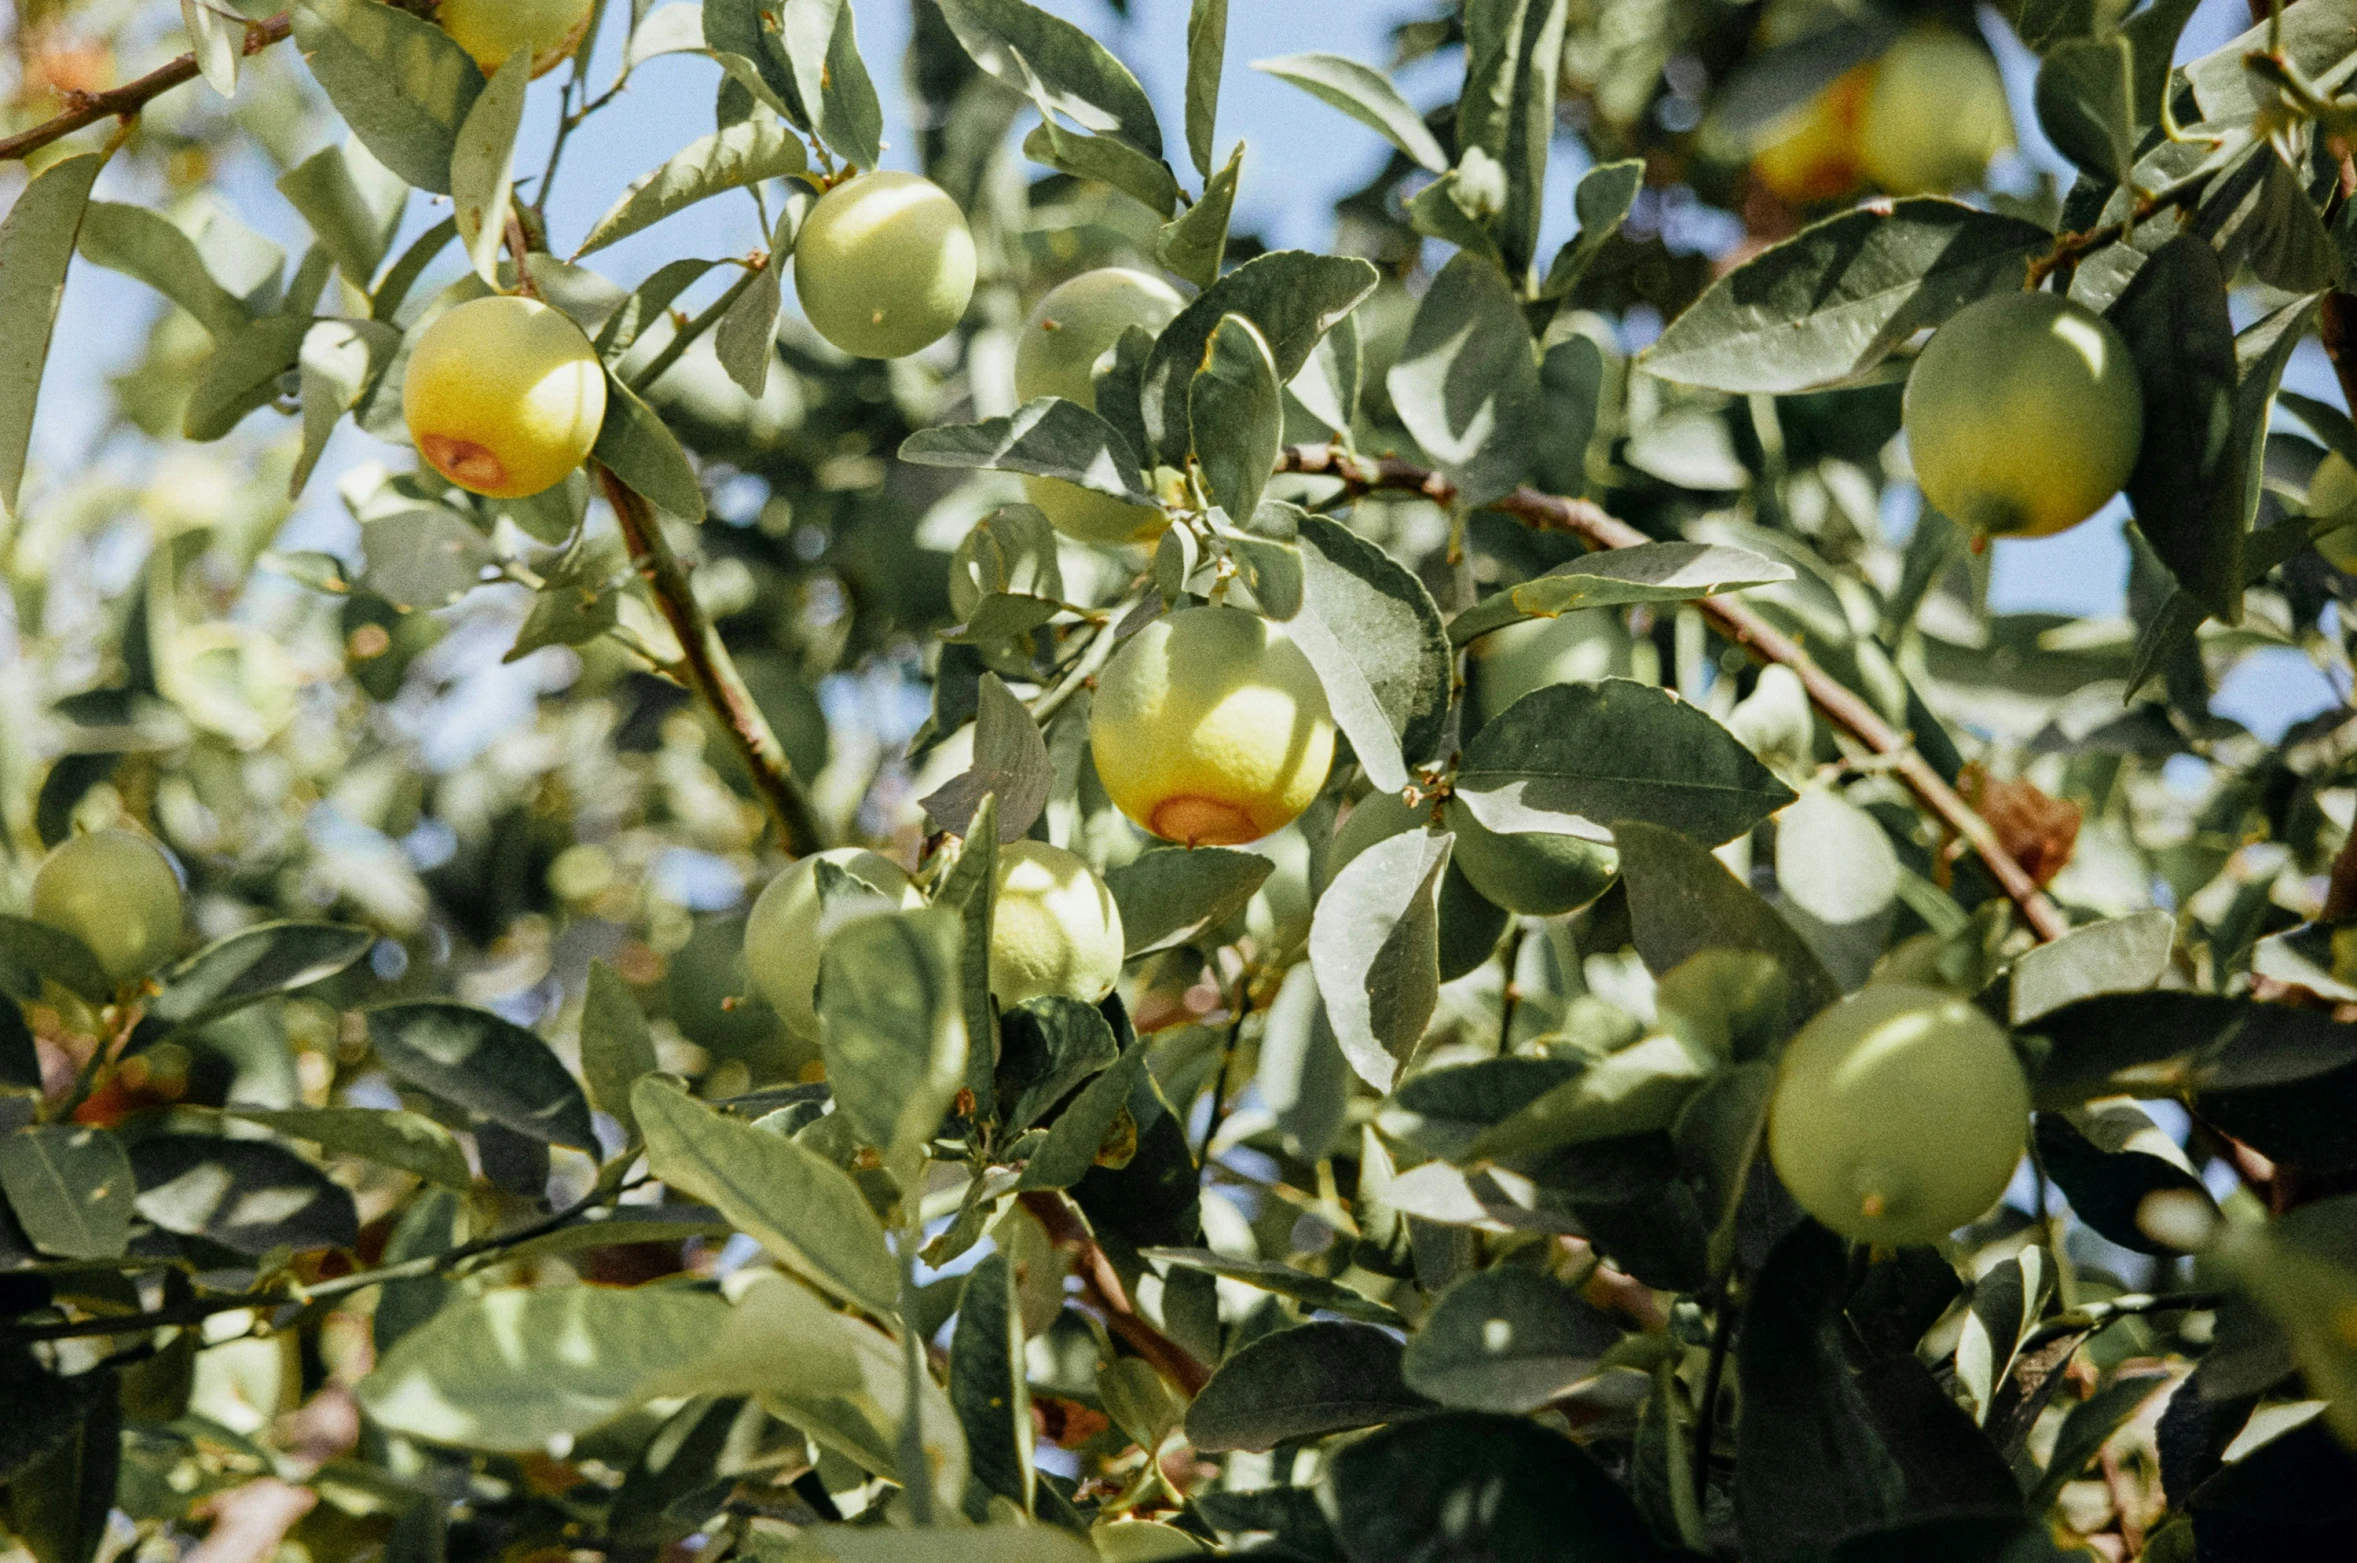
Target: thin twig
pixel 712 671
pixel 1842 706
pixel 1722 1339
pixel 2095 1315
pixel 125 102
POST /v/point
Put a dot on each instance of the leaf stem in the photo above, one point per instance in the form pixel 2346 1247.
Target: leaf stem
pixel 1722 1338
pixel 125 102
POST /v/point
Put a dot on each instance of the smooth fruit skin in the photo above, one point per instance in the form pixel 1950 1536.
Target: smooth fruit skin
pixel 118 894
pixel 885 265
pixel 1054 930
pixel 504 396
pixel 1210 728
pixel 1538 876
pixel 782 939
pixel 2332 511
pixel 2023 415
pixel 1936 115
pixel 1900 1115
pixel 1069 336
pixel 1811 154
pixel 491 30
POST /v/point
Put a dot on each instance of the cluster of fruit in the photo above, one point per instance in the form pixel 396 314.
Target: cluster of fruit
pixel 1924 118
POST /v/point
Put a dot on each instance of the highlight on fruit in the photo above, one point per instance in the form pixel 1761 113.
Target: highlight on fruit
pixel 1210 728
pixel 885 265
pixel 1055 930
pixel 1066 343
pixel 786 934
pixel 504 396
pixel 118 893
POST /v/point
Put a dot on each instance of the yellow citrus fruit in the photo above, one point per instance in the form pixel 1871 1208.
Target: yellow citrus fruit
pixel 885 265
pixel 491 30
pixel 1811 153
pixel 1935 116
pixel 1538 876
pixel 117 893
pixel 1900 1114
pixel 504 396
pixel 1054 930
pixel 2332 511
pixel 1210 728
pixel 2023 415
pixel 784 939
pixel 1067 340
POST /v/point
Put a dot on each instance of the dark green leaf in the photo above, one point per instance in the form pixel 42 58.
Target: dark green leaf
pixel 1236 408
pixel 1649 572
pixel 1467 381
pixel 245 372
pixel 1682 901
pixel 36 246
pixel 617 1049
pixel 399 81
pixel 353 204
pixel 2086 105
pixel 57 955
pixel 1173 894
pixel 1396 639
pixel 1107 159
pixel 892 1025
pixel 387 1136
pixel 2108 1161
pixel 726 160
pixel 1304 1382
pixel 1021 44
pixel 1606 195
pixel 1080 1130
pixel 45 1409
pixel 2187 485
pixel 1195 244
pixel 1047 1049
pixel 20 1061
pixel 71 1188
pixel 1011 764
pixel 248 1196
pixel 482 165
pixel 2118 955
pixel 1366 95
pixel 1050 438
pixel 638 448
pixel 255 964
pixel 1269 1275
pixel 1470 1487
pixel 493 1067
pixel 988 1383
pixel 1207 55
pixel 1375 946
pixel 821 41
pixel 1506 1339
pixel 1507 108
pixel 59 1508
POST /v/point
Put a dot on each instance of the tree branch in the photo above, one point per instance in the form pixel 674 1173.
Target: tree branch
pixel 125 102
pixel 1841 705
pixel 712 671
pixel 1101 1289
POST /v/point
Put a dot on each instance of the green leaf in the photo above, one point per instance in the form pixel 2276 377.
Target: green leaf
pixel 1683 901
pixel 1011 764
pixel 71 1188
pixel 743 36
pixel 1022 45
pixel 353 204
pixel 1649 572
pixel 1606 195
pixel 2262 351
pixel 970 889
pixel 617 1048
pixel 337 362
pixel 1574 759
pixel 804 1209
pixel 892 1025
pixel 244 373
pixel 640 449
pixel 1236 407
pixel 36 246
pixel 1271 571
pixel 59 1510
pixel 248 1196
pixel 1108 160
pixel 1467 1484
pixel 1048 1048
pixel 1507 108
pixel 402 84
pixel 1374 943
pixel 514 1369
pixel 989 1384
pixel 1506 1339
pixel 1269 1275
pixel 151 248
pixel 217 43
pixel 1467 381
pixel 483 164
pixel 388 1136
pixel 821 41
pixel 1330 381
pixel 648 303
pixel 254 964
pixel 1636 1090
pixel 1207 54
pixel 995 1544
pixel 2087 1428
pixel 1837 879
pixel 1049 438
pixel 1294 297
pixel 1172 895
pixel 2086 105
pixel 677 28
pixel 1302 1383
pixel 1366 95
pixel 493 1067
pixel 2186 488
pixel 46 1409
pixel 1397 641
pixel 1195 245
pixel 1833 301
pixel 20 1061
pixel 2108 1160
pixel 57 955
pixel 1079 1132
pixel 2118 955
pixel 745 341
pixel 730 159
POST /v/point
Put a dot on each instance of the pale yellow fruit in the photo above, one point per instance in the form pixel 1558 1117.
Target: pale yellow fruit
pixel 1210 728
pixel 1054 930
pixel 504 396
pixel 1069 338
pixel 117 893
pixel 1936 115
pixel 2023 415
pixel 1811 154
pixel 2332 511
pixel 491 30
pixel 885 265
pixel 784 939
pixel 1900 1115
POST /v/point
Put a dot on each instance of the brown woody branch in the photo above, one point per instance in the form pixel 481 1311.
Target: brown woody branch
pixel 1841 705
pixel 1101 1289
pixel 125 102
pixel 711 671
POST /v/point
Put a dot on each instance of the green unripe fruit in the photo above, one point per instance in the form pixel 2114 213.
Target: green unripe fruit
pixel 2332 511
pixel 118 894
pixel 1054 929
pixel 784 938
pixel 1069 338
pixel 491 30
pixel 2023 415
pixel 504 396
pixel 1935 116
pixel 885 265
pixel 1538 876
pixel 1900 1115
pixel 1210 728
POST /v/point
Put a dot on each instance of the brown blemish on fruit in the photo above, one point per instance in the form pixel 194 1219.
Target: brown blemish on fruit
pixel 1203 822
pixel 463 461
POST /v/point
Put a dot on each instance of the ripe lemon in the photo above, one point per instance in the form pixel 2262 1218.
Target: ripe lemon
pixel 784 939
pixel 1054 930
pixel 117 893
pixel 491 30
pixel 1538 876
pixel 1935 116
pixel 1069 337
pixel 504 396
pixel 885 265
pixel 1210 728
pixel 1900 1114
pixel 2023 415
pixel 1811 153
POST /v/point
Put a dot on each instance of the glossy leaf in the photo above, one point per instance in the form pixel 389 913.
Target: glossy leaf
pixel 254 964
pixel 400 82
pixel 1375 946
pixel 1304 1382
pixel 1467 381
pixel 730 159
pixel 640 449
pixel 891 1024
pixel 1172 895
pixel 1237 411
pixel 1649 572
pixel 1021 44
pixel 473 1059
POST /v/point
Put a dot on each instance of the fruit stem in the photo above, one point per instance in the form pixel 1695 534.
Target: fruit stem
pixel 1841 705
pixel 712 672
